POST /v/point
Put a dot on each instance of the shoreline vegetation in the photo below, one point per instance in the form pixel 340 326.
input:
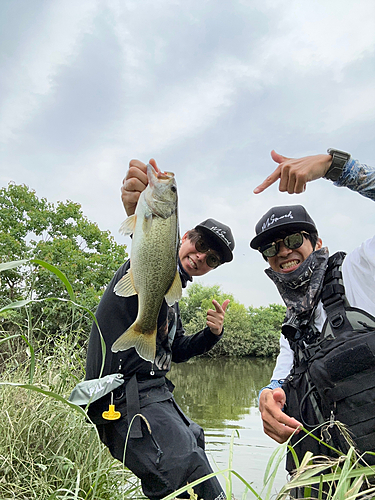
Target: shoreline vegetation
pixel 33 230
pixel 248 331
pixel 55 266
pixel 49 448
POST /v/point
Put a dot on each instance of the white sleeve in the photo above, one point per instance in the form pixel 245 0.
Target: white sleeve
pixel 284 360
pixel 359 276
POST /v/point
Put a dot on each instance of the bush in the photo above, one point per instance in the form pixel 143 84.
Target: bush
pixel 247 332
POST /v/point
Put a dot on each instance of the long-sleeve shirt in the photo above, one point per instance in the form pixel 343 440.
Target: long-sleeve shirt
pixel 358 268
pixel 115 314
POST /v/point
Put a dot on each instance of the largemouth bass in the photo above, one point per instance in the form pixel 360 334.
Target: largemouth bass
pixel 153 271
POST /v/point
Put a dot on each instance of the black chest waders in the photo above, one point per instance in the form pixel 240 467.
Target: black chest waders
pixel 333 377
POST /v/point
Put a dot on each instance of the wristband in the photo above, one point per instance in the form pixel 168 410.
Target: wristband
pixel 339 159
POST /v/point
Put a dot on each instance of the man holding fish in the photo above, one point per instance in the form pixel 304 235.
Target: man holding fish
pixel 141 329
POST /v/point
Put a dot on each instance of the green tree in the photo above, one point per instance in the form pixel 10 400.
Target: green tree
pixel 248 331
pixel 238 338
pixel 61 235
pixel 265 324
pixel 198 299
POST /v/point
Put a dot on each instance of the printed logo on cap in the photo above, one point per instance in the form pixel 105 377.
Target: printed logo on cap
pixel 271 220
pixel 221 233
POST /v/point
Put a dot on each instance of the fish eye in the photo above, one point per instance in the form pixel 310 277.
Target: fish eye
pixel 173 189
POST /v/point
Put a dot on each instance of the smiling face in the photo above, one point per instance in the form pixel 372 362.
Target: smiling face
pixel 288 260
pixel 192 261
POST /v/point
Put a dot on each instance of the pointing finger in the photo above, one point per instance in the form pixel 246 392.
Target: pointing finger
pixel 271 179
pixel 217 306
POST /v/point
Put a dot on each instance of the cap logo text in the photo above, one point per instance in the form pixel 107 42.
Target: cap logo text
pixel 273 219
pixel 220 232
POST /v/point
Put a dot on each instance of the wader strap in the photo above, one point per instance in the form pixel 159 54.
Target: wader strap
pixel 133 407
pixel 333 295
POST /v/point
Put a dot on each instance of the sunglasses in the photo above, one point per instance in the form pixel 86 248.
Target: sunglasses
pixel 212 259
pixel 292 241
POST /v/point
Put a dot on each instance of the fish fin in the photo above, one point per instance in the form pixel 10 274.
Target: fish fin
pixel 124 287
pixel 147 222
pixel 128 226
pixel 144 343
pixel 175 292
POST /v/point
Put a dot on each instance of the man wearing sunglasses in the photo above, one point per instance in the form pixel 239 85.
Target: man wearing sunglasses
pixel 287 238
pixel 167 452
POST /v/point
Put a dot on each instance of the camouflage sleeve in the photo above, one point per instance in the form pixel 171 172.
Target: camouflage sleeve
pixel 358 177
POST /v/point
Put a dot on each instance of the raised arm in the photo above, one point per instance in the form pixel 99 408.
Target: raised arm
pixel 358 177
pixel 295 173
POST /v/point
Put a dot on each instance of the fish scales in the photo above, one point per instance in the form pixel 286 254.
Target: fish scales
pixel 154 267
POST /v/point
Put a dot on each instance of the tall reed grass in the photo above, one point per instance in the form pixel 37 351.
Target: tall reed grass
pixel 50 450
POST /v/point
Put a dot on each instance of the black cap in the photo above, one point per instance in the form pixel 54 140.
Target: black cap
pixel 219 236
pixel 280 219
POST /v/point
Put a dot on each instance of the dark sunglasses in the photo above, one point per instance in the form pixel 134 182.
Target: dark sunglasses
pixel 212 259
pixel 292 241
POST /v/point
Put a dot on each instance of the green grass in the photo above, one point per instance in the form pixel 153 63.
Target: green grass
pixel 49 450
pixel 345 478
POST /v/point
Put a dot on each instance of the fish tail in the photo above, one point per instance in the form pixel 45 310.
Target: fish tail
pixel 143 342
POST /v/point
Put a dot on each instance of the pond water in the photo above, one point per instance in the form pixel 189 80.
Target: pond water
pixel 221 395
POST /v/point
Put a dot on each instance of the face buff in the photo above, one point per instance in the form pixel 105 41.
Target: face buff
pixel 300 288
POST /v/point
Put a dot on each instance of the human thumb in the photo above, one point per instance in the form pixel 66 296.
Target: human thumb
pixel 225 304
pixel 278 158
pixel 279 397
pixel 153 163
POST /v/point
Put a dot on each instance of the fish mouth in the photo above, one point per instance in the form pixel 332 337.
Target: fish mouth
pixel 290 265
pixel 165 175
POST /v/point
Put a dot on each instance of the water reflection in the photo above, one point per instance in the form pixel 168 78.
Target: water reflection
pixel 215 390
pixel 222 395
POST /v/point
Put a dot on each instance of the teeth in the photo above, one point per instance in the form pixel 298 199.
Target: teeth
pixel 290 264
pixel 192 263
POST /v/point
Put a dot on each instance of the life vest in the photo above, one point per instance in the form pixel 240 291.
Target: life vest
pixel 333 377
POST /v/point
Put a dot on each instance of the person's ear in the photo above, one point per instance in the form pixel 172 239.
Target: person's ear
pixel 319 244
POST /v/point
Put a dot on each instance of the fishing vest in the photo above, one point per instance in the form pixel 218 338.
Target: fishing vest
pixel 333 376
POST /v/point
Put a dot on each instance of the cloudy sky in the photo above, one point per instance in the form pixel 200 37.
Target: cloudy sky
pixel 206 87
